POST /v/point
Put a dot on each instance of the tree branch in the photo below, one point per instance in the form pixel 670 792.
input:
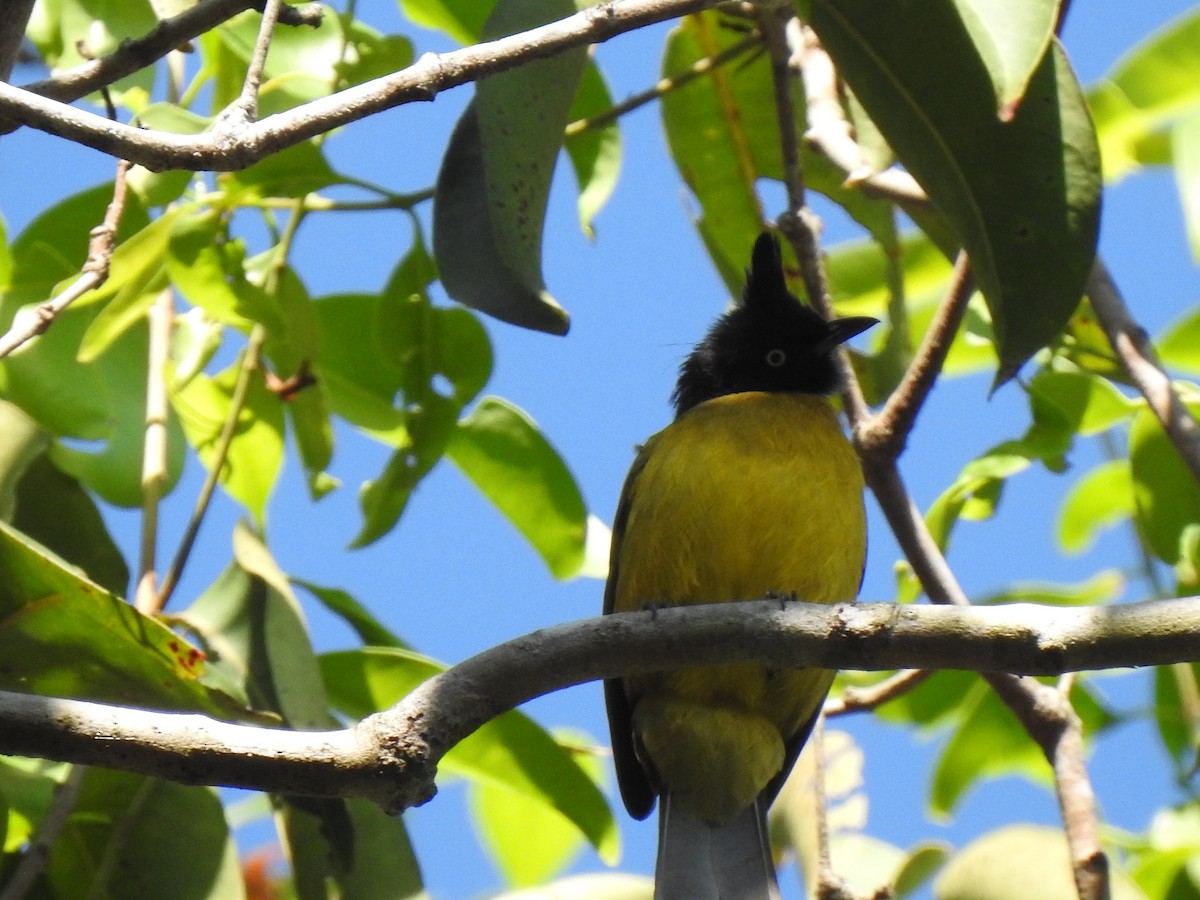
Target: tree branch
pixel 423 80
pixel 391 757
pixel 1132 345
pixel 134 55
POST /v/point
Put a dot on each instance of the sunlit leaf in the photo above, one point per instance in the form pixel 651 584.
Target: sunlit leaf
pixel 1023 195
pixel 1043 871
pixel 252 465
pixel 1084 404
pixel 509 751
pixel 502 451
pixel 462 20
pixel 1154 81
pixel 596 152
pixel 1179 346
pixel 1103 587
pixel 1166 496
pixel 1101 498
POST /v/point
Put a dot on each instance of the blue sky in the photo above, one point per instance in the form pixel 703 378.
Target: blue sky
pixel 454 578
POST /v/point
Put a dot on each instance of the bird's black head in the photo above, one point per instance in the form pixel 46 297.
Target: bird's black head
pixel 770 341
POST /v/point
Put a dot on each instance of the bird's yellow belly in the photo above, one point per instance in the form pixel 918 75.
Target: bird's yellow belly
pixel 744 496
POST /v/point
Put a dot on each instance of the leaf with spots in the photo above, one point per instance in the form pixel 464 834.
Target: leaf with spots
pixel 490 199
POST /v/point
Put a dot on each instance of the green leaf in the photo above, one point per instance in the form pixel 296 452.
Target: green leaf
pixel 21 443
pixel 348 848
pixel 133 836
pixel 510 751
pixel 489 203
pixel 1102 498
pixel 1103 587
pixel 1185 153
pixel 1166 495
pixel 65 636
pixel 1152 83
pixel 294 671
pixel 1084 404
pixel 301 65
pixel 136 278
pixel 1179 345
pixel 53 509
pixel 1174 712
pixel 1011 36
pixel 596 152
pixel 294 172
pixel 866 861
pixel 28 787
pixel 370 54
pixel 988 742
pixel 502 451
pixel 209 269
pixel 118 378
pixel 370 630
pixel 938 700
pixel 976 492
pixel 923 861
pixel 54 245
pixel 462 20
pixel 1023 195
pixel 985 869
pixel 528 841
pixel 255 457
pixel 442 358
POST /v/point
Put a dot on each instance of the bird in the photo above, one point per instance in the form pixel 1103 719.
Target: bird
pixel 751 491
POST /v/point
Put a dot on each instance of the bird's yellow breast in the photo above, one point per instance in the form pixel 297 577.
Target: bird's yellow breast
pixel 743 496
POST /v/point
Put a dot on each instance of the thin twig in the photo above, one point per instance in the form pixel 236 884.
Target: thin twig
pixel 249 366
pixel 866 699
pixel 134 55
pixel 887 432
pixel 154 452
pixel 422 81
pixel 664 86
pixel 1135 350
pixel 30 324
pixel 245 108
pixel 830 133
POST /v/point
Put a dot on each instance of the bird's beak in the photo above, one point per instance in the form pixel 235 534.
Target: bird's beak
pixel 841 330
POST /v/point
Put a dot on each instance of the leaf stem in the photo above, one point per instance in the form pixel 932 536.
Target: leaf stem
pixel 154 453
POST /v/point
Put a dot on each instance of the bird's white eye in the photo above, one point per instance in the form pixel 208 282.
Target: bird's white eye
pixel 776 358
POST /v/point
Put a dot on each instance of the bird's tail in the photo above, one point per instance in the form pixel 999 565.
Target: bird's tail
pixel 697 861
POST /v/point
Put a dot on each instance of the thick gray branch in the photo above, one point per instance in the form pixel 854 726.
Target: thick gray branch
pixel 391 757
pixel 235 146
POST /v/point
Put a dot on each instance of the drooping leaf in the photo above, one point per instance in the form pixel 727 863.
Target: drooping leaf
pixel 370 630
pixel 490 199
pixel 1022 195
pixel 509 751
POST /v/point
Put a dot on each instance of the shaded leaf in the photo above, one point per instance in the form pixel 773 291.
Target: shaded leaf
pixel 490 199
pixel 1022 195
pixel 133 836
pixel 502 451
pixel 1166 496
pixel 370 630
pixel 1011 37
